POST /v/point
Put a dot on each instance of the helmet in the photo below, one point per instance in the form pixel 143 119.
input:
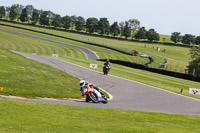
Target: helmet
pixel 82 83
pixel 107 60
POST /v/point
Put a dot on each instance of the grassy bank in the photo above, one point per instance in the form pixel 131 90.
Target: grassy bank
pixel 27 116
pixel 24 77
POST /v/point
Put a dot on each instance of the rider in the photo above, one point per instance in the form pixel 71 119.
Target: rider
pixel 106 65
pixel 83 84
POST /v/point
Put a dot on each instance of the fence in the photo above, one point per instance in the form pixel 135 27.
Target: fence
pixel 160 71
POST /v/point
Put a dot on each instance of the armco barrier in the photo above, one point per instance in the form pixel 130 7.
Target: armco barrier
pixel 160 71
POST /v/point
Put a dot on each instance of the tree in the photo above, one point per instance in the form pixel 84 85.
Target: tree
pixel 13 14
pixel 197 40
pixel 73 21
pixel 8 12
pixel 80 23
pixel 51 16
pixel 18 10
pixel 141 34
pixel 92 25
pixel 176 37
pixel 194 64
pixel 115 29
pixel 29 10
pixel 15 11
pixel 121 27
pixel 152 35
pixel 127 30
pixel 66 22
pixel 57 21
pixel 195 53
pixel 135 25
pixel 44 19
pixel 35 16
pixel 188 39
pixel 103 26
pixel 23 16
pixel 2 11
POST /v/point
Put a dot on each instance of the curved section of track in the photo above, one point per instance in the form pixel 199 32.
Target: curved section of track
pixel 127 94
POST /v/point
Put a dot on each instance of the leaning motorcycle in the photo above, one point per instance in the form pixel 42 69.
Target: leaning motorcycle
pixel 93 95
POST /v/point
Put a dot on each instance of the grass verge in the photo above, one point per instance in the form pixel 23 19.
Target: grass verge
pixel 24 77
pixel 27 116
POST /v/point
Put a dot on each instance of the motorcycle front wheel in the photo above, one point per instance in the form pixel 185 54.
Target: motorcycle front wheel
pixel 93 97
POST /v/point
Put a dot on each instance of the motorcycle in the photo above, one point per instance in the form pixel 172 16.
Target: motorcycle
pixel 106 69
pixel 93 95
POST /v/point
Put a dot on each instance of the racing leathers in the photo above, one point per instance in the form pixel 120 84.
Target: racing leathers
pixel 91 85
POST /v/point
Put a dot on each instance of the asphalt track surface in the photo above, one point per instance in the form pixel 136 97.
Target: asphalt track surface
pixel 126 94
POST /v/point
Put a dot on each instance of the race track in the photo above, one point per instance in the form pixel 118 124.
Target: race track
pixel 126 94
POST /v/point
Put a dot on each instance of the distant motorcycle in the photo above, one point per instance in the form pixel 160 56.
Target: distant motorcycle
pixel 93 95
pixel 106 69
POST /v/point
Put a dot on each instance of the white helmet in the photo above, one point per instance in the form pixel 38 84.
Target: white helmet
pixel 82 83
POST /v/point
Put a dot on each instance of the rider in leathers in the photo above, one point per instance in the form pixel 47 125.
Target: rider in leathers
pixel 83 85
pixel 106 66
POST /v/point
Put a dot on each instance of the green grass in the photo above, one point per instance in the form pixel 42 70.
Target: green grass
pixel 24 77
pixel 34 117
pixel 103 55
pixel 12 41
pixel 178 57
pixel 165 38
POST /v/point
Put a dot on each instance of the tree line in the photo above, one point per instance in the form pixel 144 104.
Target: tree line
pixel 186 39
pixel 127 29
